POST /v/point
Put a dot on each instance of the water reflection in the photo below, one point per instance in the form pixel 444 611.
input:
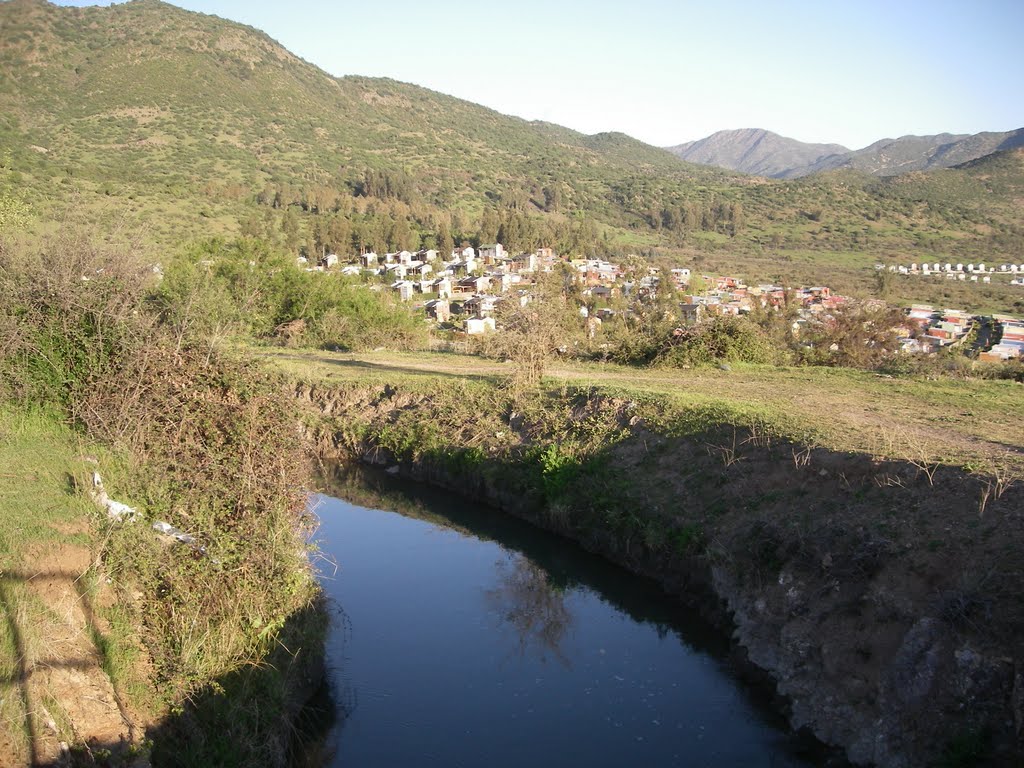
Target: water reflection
pixel 532 607
pixel 475 639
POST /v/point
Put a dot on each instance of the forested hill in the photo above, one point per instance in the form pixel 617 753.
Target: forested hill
pixel 186 98
pixel 190 126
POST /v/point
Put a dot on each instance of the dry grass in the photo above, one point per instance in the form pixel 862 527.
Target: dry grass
pixel 962 422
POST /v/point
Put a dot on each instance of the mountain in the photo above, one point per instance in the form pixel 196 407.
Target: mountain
pixel 763 153
pixel 890 157
pixel 756 151
pixel 145 95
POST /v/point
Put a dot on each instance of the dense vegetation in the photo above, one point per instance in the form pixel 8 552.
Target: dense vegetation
pixel 202 439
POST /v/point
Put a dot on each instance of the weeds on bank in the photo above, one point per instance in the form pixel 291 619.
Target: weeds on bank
pixel 209 445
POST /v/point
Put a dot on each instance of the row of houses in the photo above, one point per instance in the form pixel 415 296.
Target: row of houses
pixel 1010 331
pixel 972 272
pixel 468 284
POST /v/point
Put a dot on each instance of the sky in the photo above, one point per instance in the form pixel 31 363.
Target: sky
pixel 668 72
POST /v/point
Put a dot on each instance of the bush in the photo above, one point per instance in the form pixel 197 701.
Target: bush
pixel 245 288
pixel 720 339
pixel 70 310
pixel 213 450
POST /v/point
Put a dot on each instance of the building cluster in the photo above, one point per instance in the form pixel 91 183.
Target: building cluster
pixel 1010 332
pixel 930 330
pixel 971 272
pixel 469 284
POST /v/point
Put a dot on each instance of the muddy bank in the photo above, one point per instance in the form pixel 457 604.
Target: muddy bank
pixel 884 599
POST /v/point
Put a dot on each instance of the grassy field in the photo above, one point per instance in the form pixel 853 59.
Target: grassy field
pixel 959 422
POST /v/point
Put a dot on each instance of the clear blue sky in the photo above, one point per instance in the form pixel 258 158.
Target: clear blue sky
pixel 667 72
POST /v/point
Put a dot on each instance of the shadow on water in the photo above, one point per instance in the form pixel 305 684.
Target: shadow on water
pixel 542 569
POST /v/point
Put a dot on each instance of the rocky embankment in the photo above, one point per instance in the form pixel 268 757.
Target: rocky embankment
pixel 884 598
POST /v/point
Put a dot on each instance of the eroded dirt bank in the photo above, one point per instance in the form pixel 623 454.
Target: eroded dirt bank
pixel 884 598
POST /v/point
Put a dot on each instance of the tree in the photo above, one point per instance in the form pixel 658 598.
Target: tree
pixel 290 228
pixel 855 335
pixel 339 234
pixel 401 236
pixel 553 198
pixel 531 333
pixel 445 244
pixel 489 224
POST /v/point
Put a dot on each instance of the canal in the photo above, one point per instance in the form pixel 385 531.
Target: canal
pixel 464 637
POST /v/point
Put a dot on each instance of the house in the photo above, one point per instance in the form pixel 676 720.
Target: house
pixel 481 306
pixel 691 313
pixel 474 284
pixel 681 276
pixel 526 262
pixel 439 309
pixel 368 259
pixel 404 288
pixel 427 254
pixel 1003 351
pixel 479 325
pixel 460 266
pixel 443 288
pixel 501 281
pixel 489 254
pixel 329 260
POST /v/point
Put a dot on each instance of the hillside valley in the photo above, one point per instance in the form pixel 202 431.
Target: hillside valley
pixel 188 126
pixel 240 296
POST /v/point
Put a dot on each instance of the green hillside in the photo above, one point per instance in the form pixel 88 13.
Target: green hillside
pixel 187 125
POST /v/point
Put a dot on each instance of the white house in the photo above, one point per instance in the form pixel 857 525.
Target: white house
pixel 491 253
pixel 404 288
pixel 478 325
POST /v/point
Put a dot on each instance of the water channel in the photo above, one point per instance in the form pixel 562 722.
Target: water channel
pixel 464 637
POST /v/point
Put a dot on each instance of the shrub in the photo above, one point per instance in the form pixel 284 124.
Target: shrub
pixel 70 310
pixel 720 339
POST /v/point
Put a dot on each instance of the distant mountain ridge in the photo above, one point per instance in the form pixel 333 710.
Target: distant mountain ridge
pixel 763 153
pixel 756 151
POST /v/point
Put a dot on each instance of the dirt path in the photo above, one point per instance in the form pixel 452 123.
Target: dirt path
pixel 69 697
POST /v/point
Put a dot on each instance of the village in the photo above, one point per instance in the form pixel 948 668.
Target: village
pixel 462 291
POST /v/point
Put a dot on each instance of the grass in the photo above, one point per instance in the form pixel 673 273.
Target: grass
pixel 954 421
pixel 38 456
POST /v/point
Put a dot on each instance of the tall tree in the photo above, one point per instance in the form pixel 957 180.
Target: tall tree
pixel 445 243
pixel 489 224
pixel 290 228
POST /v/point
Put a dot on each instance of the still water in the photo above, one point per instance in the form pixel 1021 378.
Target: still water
pixel 463 637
